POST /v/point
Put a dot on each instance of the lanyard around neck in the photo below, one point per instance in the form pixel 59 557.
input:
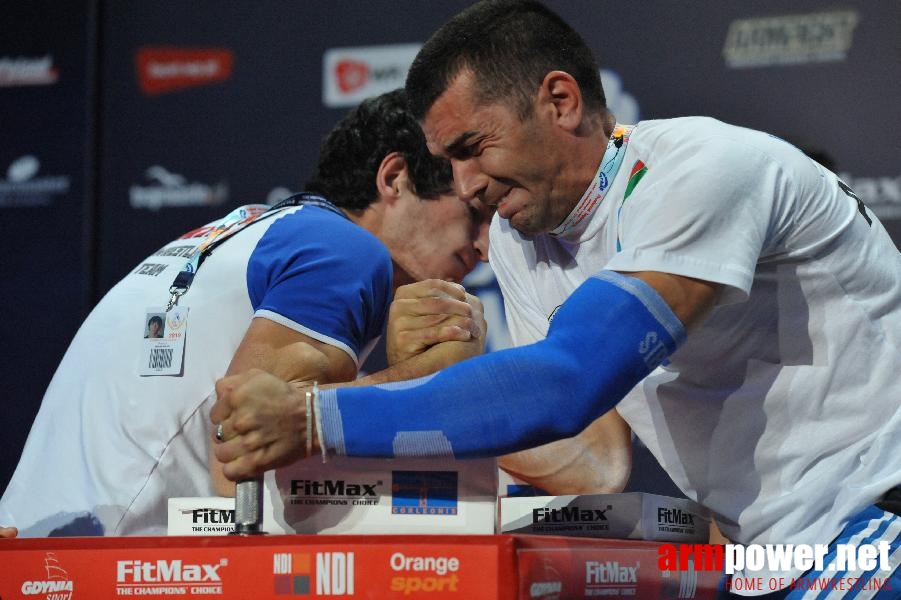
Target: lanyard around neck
pixel 236 221
pixel 601 182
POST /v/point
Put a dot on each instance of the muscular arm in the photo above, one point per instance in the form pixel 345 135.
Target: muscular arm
pixel 598 460
pixel 605 338
pixel 289 355
pixel 431 324
pixel 690 299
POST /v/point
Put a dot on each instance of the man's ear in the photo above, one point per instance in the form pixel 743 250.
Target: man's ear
pixel 391 177
pixel 560 93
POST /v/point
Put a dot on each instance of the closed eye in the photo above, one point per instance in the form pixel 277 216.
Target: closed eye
pixel 465 146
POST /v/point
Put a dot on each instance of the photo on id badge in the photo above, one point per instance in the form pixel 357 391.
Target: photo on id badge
pixel 164 341
pixel 155 327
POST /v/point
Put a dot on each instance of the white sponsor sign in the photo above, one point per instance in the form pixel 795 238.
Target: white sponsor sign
pixel 351 75
pixel 790 39
pixel 633 515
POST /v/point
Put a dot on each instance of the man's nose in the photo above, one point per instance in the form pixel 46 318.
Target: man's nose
pixel 469 181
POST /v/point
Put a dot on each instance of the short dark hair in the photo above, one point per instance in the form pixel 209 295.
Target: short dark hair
pixel 352 152
pixel 509 45
pixel 155 319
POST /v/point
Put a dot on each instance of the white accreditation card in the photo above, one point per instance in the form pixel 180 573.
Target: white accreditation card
pixel 163 349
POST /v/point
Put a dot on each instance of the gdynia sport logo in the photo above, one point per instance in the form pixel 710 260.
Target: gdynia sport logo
pixel 848 567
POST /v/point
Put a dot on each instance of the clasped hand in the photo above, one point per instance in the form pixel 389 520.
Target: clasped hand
pixel 264 418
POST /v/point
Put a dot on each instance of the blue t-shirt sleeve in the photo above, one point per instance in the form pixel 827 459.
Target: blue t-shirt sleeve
pixel 317 273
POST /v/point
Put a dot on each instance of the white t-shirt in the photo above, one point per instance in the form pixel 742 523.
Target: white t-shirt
pixel 110 446
pixel 781 411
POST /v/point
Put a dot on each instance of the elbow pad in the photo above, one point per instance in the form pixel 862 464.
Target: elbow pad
pixel 608 335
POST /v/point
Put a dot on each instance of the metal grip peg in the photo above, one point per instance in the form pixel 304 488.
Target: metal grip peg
pixel 249 507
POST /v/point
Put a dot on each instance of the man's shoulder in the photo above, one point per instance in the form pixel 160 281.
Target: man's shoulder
pixel 314 229
pixel 683 126
pixel 676 144
pixel 696 130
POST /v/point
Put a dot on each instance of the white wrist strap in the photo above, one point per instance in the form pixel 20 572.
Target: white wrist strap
pixel 318 419
pixel 309 407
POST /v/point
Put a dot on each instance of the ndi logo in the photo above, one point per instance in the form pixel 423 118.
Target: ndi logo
pixel 294 573
pixel 424 492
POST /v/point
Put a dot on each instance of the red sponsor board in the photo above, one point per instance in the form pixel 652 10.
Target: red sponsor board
pixel 169 69
pixel 464 567
pixel 278 567
pixel 553 568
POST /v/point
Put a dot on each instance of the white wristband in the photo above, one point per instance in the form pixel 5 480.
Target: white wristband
pixel 318 419
pixel 309 440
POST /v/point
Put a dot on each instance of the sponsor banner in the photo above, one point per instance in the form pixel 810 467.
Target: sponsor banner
pixel 215 515
pixel 472 567
pixel 790 39
pixel 202 516
pixel 352 74
pixel 16 71
pixel 166 189
pixel 23 186
pixel 362 495
pixel 633 515
pixel 556 568
pixel 170 69
pixel 353 495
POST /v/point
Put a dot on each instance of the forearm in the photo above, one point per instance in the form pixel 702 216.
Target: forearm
pixel 514 399
pixel 596 461
pixel 466 410
pixel 294 357
pixel 434 359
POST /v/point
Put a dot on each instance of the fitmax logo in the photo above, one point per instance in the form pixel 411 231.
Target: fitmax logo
pixel 568 514
pixel 610 572
pixel 329 487
pixel 674 516
pixel 213 515
pixel 166 571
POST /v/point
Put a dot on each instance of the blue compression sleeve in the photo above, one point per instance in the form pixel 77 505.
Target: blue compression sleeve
pixel 608 335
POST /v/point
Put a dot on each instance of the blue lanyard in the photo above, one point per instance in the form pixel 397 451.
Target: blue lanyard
pixel 232 223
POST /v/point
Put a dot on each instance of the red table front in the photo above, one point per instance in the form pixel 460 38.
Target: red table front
pixel 471 567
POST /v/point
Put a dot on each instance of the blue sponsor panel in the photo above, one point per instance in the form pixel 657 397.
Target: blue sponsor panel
pixel 424 492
